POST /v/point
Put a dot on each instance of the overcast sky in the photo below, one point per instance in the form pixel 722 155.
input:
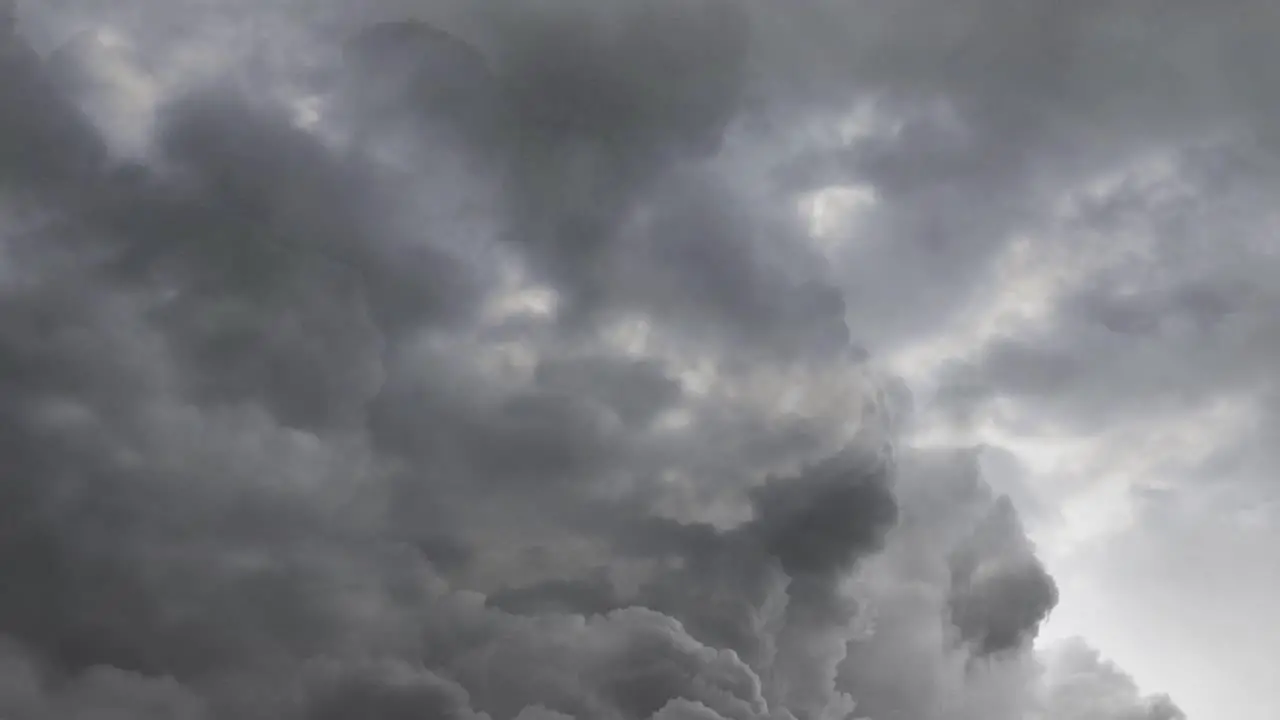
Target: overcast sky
pixel 639 360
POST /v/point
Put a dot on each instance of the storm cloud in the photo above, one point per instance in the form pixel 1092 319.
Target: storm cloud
pixel 447 360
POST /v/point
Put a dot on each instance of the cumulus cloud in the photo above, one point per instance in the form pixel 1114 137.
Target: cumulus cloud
pixel 1085 686
pixel 473 361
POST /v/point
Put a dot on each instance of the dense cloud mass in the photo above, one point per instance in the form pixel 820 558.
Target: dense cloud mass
pixel 478 360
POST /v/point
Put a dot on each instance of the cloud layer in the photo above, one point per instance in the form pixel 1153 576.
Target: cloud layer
pixel 477 360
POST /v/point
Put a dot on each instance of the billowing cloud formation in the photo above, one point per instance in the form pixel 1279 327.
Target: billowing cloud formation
pixel 1085 686
pixel 486 369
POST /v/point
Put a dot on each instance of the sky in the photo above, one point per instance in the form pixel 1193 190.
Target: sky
pixel 639 360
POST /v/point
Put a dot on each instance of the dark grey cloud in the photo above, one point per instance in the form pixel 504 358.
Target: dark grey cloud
pixel 1076 103
pixel 595 148
pixel 913 590
pixel 1132 161
pixel 385 691
pixel 46 139
pixel 284 439
pixel 1000 593
pixel 103 692
pixel 635 390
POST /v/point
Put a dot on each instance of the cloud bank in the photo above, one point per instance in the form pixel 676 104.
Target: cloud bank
pixel 401 360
